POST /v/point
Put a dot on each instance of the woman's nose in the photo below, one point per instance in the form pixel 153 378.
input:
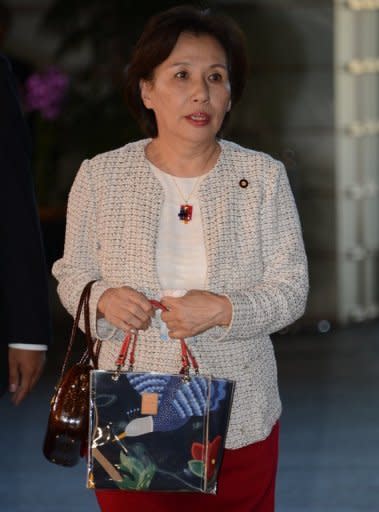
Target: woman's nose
pixel 200 92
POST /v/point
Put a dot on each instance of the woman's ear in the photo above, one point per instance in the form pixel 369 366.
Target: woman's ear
pixel 145 88
pixel 228 108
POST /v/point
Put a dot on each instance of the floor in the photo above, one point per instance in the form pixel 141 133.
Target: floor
pixel 330 425
pixel 329 430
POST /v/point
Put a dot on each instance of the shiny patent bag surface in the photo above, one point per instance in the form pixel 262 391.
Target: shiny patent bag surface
pixel 157 431
pixel 67 428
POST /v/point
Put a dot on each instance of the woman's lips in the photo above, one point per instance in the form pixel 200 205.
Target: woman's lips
pixel 199 118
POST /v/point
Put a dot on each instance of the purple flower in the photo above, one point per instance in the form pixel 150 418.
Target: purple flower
pixel 45 92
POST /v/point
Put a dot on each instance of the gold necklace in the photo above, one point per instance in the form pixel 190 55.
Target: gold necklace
pixel 186 209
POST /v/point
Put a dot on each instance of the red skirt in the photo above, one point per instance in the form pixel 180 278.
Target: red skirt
pixel 246 484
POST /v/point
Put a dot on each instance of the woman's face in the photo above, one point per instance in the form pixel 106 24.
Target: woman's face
pixel 190 90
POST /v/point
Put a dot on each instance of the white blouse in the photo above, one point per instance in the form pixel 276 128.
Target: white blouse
pixel 181 256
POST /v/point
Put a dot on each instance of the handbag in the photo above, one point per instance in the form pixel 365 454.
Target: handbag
pixel 156 431
pixel 67 427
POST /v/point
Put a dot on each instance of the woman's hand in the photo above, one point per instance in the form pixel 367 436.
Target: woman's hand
pixel 125 308
pixel 195 312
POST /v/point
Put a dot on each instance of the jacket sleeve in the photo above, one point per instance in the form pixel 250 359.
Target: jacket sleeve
pixel 24 304
pixel 280 298
pixel 79 264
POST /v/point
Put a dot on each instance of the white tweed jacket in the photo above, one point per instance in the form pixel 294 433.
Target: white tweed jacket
pixel 255 256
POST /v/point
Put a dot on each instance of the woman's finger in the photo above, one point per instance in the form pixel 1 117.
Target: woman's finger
pixel 137 312
pixel 124 316
pixel 128 328
pixel 137 298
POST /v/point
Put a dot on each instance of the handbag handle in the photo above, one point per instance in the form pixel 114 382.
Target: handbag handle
pixel 187 357
pixel 90 353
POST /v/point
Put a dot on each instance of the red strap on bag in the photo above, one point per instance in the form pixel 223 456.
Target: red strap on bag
pixel 187 357
pixel 124 351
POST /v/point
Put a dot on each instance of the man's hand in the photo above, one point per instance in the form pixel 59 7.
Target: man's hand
pixel 25 368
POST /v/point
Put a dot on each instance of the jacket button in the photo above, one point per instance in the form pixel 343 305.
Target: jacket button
pixel 244 183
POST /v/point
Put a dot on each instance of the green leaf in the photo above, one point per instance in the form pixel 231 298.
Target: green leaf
pixel 136 474
pixel 196 467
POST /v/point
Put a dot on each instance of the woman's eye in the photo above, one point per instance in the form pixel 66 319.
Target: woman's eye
pixel 215 77
pixel 181 74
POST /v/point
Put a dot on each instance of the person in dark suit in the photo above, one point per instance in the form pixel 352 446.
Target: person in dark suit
pixel 24 308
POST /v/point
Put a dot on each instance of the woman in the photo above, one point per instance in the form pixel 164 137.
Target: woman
pixel 205 226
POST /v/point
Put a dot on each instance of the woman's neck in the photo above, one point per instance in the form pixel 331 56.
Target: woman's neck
pixel 184 161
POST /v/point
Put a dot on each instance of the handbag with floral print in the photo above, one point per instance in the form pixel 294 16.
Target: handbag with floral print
pixel 156 431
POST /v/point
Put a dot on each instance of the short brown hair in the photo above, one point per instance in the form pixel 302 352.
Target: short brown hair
pixel 157 42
